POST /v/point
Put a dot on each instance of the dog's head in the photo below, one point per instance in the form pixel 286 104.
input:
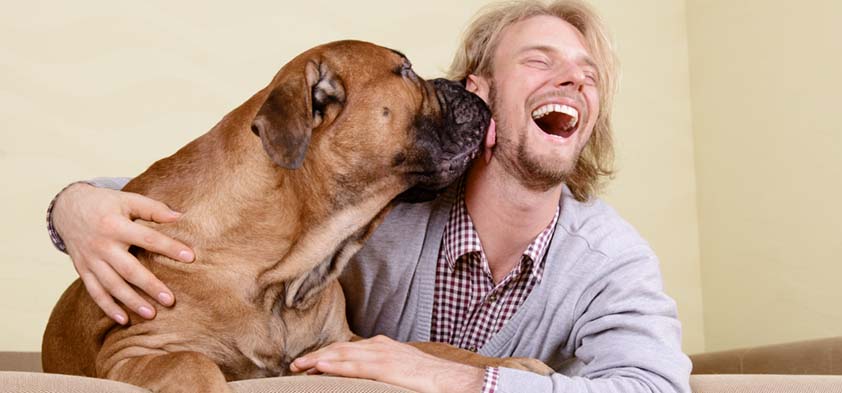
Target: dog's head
pixel 357 114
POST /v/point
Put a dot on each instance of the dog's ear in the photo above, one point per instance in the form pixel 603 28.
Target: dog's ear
pixel 299 102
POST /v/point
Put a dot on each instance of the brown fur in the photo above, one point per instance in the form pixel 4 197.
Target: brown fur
pixel 263 221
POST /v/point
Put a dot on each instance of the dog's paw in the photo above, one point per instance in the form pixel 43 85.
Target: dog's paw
pixel 527 364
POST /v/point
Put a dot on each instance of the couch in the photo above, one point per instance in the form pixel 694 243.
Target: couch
pixel 805 366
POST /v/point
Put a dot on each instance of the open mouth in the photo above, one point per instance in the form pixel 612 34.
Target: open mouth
pixel 556 119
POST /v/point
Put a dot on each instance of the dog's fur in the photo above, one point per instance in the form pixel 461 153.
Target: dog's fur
pixel 276 199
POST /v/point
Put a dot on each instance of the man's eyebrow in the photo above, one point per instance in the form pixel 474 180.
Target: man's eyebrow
pixel 586 59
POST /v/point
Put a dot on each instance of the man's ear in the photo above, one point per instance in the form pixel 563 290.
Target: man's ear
pixel 479 86
pixel 296 105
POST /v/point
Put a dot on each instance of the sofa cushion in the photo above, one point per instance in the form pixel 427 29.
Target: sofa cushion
pixel 765 383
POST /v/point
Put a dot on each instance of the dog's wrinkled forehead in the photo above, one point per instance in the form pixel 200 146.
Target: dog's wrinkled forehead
pixel 356 59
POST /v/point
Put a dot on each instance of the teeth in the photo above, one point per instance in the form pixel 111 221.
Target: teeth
pixel 567 110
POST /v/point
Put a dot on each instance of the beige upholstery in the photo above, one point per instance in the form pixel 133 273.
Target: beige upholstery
pixel 20 361
pixel 32 382
pixel 313 384
pixel 750 370
pixel 770 383
pixel 817 357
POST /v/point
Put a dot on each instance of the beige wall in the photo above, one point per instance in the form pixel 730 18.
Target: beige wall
pixel 766 79
pixel 655 186
pixel 103 88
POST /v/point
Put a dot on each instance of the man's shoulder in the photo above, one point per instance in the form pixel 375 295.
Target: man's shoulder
pixel 406 225
pixel 600 226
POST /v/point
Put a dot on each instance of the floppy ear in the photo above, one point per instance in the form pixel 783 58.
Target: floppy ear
pixel 295 106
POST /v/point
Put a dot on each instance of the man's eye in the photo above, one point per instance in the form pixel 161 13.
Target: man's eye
pixel 542 63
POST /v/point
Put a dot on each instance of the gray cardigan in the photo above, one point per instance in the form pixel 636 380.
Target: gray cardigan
pixel 599 316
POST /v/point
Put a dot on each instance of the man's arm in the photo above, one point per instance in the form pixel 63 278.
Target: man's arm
pixel 626 335
pixel 382 359
pixel 95 226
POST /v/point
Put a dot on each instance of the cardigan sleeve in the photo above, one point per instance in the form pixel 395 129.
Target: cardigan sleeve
pixel 626 334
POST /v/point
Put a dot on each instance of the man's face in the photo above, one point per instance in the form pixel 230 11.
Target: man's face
pixel 543 94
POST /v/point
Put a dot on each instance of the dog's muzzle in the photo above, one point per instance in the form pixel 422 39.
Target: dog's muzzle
pixel 451 141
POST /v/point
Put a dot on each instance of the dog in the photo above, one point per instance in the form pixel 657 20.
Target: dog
pixel 276 199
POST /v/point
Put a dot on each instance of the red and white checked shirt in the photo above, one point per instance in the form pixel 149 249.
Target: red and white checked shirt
pixel 468 307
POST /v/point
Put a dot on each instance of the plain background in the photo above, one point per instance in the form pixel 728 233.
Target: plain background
pixel 726 122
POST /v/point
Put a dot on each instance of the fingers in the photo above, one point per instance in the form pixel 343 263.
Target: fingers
pixel 119 289
pixel 326 360
pixel 131 270
pixel 149 209
pixel 385 360
pixel 149 239
pixel 350 369
pixel 330 352
pixel 152 240
pixel 369 351
pixel 103 299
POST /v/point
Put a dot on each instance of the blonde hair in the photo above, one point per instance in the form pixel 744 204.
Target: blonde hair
pixel 476 53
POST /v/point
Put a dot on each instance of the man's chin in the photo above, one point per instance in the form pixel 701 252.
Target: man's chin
pixel 543 174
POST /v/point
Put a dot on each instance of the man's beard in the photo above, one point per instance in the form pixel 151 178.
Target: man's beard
pixel 512 153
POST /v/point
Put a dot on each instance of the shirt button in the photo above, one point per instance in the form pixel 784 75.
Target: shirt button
pixel 472 348
pixel 492 298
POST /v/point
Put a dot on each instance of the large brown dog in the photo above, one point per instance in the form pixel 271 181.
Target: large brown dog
pixel 342 131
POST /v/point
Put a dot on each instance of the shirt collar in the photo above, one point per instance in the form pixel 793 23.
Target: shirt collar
pixel 461 238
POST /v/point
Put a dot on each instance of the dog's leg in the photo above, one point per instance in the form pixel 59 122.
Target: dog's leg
pixel 449 352
pixel 178 372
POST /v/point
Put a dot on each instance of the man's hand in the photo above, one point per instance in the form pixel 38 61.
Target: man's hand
pixel 385 360
pixel 97 228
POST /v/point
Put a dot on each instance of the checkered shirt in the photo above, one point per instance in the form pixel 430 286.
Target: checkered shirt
pixel 468 307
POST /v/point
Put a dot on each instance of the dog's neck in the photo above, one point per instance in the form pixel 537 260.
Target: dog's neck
pixel 271 224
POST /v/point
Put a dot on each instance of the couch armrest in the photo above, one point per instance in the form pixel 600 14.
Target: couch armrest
pixel 20 361
pixel 817 357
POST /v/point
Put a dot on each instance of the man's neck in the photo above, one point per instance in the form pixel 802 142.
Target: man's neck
pixel 507 216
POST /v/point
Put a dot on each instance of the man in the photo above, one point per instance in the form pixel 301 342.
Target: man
pixel 518 259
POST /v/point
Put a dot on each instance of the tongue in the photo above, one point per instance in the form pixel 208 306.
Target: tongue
pixel 557 123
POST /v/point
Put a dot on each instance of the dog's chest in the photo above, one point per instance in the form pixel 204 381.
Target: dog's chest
pixel 257 350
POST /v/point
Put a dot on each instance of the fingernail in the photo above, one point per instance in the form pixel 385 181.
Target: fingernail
pixel 185 256
pixel 145 312
pixel 165 298
pixel 120 318
pixel 175 213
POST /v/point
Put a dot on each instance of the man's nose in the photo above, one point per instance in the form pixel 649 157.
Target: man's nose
pixel 570 76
